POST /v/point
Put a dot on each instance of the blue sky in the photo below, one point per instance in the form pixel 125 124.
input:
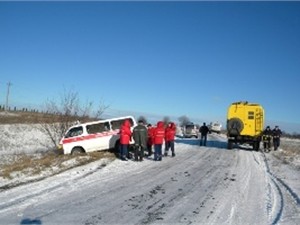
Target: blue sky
pixel 155 58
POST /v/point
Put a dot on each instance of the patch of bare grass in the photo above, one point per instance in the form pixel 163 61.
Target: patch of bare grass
pixel 289 153
pixel 31 165
pixel 24 117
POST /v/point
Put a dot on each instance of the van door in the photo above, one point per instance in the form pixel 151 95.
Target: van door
pixel 99 135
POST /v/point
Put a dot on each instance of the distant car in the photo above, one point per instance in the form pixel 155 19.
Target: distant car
pixel 215 127
pixel 190 130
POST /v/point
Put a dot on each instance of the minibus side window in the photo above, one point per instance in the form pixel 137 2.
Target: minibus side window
pixel 106 126
pixel 97 128
pixel 116 124
pixel 76 131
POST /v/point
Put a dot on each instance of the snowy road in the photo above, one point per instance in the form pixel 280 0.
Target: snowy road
pixel 201 185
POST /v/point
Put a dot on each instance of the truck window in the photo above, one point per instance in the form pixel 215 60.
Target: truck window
pixel 251 115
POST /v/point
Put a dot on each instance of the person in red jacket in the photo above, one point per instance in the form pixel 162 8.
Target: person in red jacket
pixel 150 139
pixel 158 139
pixel 125 137
pixel 169 138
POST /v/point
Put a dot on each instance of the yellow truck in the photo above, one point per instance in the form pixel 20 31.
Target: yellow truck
pixel 245 124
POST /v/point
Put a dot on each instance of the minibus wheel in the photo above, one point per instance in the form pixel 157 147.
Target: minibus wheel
pixel 77 151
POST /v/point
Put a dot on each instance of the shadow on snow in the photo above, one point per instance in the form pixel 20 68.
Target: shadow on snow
pixel 31 221
pixel 209 143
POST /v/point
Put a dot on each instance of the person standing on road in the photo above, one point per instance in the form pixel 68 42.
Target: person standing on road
pixel 276 134
pixel 158 139
pixel 267 135
pixel 150 139
pixel 203 131
pixel 169 138
pixel 140 136
pixel 125 137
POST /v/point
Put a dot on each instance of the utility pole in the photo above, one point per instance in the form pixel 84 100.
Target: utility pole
pixel 8 86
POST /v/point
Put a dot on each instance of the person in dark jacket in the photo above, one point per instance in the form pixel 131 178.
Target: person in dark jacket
pixel 276 134
pixel 169 138
pixel 266 137
pixel 140 137
pixel 203 131
pixel 125 137
pixel 158 139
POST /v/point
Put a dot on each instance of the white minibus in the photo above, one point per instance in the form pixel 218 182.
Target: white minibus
pixel 94 136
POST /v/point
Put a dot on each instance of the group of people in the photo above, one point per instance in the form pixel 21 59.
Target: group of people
pixel 269 135
pixel 145 137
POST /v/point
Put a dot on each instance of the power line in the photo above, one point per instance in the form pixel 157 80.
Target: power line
pixel 7 95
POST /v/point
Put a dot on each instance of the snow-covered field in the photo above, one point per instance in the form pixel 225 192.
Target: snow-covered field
pixel 22 138
pixel 201 185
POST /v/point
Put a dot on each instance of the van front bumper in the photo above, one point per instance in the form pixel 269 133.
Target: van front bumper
pixel 60 147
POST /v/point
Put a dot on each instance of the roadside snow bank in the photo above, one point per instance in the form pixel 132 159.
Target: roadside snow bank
pixel 22 138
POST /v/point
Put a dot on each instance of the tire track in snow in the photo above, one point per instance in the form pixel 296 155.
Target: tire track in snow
pixel 276 183
pixel 288 188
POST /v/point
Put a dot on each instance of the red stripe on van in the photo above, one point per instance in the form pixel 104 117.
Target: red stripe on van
pixel 89 137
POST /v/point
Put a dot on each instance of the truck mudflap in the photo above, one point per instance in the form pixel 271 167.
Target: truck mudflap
pixel 254 141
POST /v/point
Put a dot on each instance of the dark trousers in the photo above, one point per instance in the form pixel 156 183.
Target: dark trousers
pixel 149 149
pixel 157 152
pixel 123 151
pixel 169 145
pixel 276 143
pixel 203 140
pixel 138 153
pixel 267 144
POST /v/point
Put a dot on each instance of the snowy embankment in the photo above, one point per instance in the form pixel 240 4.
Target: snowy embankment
pixel 22 138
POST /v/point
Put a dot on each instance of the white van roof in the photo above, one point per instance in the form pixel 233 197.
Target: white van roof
pixel 103 120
